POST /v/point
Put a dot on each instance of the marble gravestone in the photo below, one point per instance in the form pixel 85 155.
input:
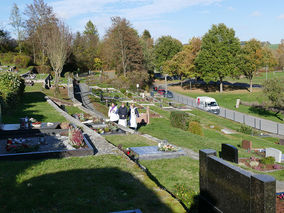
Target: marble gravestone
pixel 277 154
pixel 229 153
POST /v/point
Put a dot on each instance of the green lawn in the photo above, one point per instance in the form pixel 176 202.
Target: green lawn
pixel 88 184
pixel 35 106
pixel 73 110
pixel 228 100
pixel 130 140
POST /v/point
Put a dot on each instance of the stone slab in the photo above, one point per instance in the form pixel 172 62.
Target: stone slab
pixel 246 144
pixel 227 131
pixel 277 154
pixel 152 152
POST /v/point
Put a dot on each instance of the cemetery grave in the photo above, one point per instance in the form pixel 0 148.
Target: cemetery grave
pixel 43 142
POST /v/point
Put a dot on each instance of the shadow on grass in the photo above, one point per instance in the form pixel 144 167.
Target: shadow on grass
pixel 78 190
pixel 29 100
pixel 263 112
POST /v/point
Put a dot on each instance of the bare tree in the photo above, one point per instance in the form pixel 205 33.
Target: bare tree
pixel 58 45
pixel 17 23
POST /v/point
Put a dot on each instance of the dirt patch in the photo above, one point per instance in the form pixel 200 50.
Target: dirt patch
pixel 279 204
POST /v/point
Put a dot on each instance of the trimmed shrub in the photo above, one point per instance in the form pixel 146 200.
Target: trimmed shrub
pixel 123 90
pixel 179 119
pixel 22 61
pixel 12 87
pixel 195 128
pixel 43 69
pixel 188 196
pixel 267 160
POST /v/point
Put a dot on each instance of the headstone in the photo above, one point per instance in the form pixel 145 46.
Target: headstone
pixel 230 153
pixel 247 144
pixel 238 103
pixel 281 142
pixel 277 154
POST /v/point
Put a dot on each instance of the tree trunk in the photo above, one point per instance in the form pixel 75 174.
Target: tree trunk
pixel 250 85
pixel 56 82
pixel 221 85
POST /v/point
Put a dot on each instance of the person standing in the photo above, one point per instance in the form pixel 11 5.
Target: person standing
pixel 122 112
pixel 112 113
pixel 133 114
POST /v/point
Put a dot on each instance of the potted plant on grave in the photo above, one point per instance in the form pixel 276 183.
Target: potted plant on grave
pixel 76 138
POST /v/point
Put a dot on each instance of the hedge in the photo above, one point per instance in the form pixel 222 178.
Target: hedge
pixel 12 87
pixel 22 61
pixel 195 128
pixel 179 119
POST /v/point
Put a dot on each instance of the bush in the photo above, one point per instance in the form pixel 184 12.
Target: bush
pixel 123 90
pixel 248 130
pixel 179 119
pixel 7 58
pixel 11 88
pixel 22 61
pixel 195 128
pixel 267 160
pixel 43 69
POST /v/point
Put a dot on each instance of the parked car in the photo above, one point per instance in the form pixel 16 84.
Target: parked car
pixel 168 94
pixel 161 91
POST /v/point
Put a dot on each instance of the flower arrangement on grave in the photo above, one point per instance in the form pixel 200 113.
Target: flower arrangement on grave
pixel 76 138
pixel 81 117
pixel 281 196
pixel 20 146
pixel 167 147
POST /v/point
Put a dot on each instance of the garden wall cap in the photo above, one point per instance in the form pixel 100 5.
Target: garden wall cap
pixel 264 178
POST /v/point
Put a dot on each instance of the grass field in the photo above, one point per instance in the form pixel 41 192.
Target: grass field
pixel 33 105
pixel 87 184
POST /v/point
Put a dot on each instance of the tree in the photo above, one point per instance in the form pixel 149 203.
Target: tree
pixel 6 43
pixel 274 91
pixel 17 23
pixel 218 56
pixel 40 17
pixel 98 63
pixel 90 29
pixel 124 50
pixel 147 45
pixel 182 63
pixel 165 48
pixel 280 54
pixel 251 59
pixel 58 45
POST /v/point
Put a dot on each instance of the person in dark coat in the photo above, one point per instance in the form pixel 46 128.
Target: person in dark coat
pixel 122 112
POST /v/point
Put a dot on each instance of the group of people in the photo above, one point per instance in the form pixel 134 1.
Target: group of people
pixel 120 115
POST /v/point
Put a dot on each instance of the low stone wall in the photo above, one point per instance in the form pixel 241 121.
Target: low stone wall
pixel 228 188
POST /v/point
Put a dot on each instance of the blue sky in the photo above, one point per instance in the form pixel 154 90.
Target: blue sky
pixel 182 19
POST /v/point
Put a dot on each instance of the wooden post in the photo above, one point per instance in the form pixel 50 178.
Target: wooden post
pixel 148 115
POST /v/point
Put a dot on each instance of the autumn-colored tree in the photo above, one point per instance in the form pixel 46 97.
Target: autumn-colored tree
pixel 218 55
pixel 124 50
pixel 165 48
pixel 251 59
pixel 182 63
pixel 280 54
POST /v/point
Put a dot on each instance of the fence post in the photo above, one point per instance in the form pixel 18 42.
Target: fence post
pixel 277 130
pixel 234 116
pixel 254 122
pixel 260 124
pixel 244 118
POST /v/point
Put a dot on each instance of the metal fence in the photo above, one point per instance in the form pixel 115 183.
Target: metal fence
pixel 255 122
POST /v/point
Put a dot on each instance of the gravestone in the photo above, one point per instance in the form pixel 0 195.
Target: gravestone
pixel 281 142
pixel 229 153
pixel 238 103
pixel 247 144
pixel 277 154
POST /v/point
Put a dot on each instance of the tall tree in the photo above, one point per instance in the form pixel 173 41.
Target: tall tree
pixel 251 59
pixel 40 16
pixel 124 47
pixel 280 54
pixel 58 45
pixel 218 56
pixel 6 43
pixel 17 23
pixel 165 48
pixel 182 63
pixel 147 44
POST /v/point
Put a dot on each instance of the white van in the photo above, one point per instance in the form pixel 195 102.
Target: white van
pixel 207 104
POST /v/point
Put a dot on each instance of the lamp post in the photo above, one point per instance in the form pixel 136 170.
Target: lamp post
pixel 137 85
pixel 166 85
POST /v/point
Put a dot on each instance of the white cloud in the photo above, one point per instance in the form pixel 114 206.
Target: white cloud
pixel 281 16
pixel 230 8
pixel 256 13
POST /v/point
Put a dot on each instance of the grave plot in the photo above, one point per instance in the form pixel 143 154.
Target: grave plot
pixel 163 150
pixel 107 128
pixel 260 164
pixel 44 143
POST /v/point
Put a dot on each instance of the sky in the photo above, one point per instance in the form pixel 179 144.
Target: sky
pixel 181 19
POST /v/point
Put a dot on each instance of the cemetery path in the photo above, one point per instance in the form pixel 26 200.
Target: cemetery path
pixel 279 186
pixel 190 153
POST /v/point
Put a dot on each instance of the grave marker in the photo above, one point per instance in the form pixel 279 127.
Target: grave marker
pixel 247 144
pixel 281 142
pixel 229 153
pixel 277 154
